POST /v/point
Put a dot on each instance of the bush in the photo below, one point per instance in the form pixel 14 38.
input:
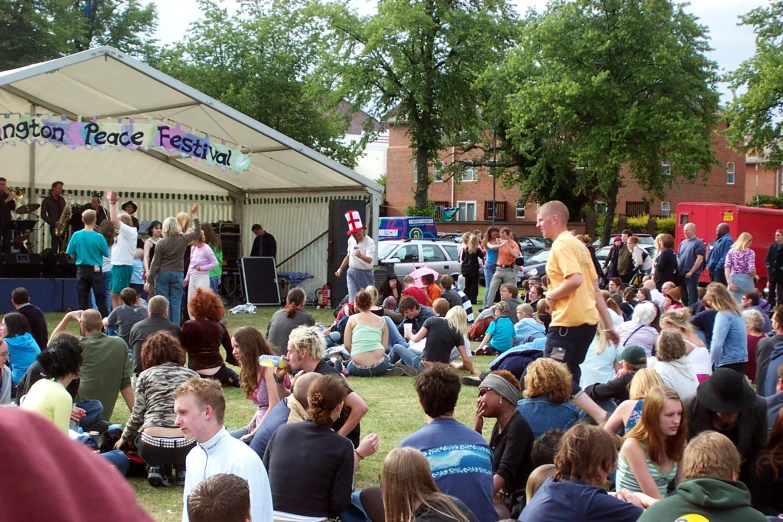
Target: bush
pixel 600 225
pixel 764 199
pixel 638 224
pixel 665 225
pixel 413 210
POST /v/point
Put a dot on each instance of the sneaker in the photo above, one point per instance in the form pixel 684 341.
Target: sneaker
pixel 157 478
pixel 395 371
pixel 470 380
pixel 406 370
pixel 180 477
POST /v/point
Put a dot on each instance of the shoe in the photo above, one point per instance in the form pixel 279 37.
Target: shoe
pixel 406 370
pixel 180 477
pixel 470 380
pixel 338 364
pixel 157 478
pixel 395 371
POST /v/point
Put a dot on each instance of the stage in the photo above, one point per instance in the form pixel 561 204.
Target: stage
pixel 48 294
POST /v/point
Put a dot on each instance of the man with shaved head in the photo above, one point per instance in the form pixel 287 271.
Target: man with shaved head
pixel 106 366
pixel 577 307
pixel 691 262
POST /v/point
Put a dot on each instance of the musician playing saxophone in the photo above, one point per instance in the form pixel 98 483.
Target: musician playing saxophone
pixel 7 204
pixel 51 209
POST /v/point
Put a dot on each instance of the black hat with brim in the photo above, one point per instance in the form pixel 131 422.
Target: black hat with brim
pixel 131 203
pixel 726 392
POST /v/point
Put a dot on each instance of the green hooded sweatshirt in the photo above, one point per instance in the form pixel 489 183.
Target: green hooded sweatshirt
pixel 705 500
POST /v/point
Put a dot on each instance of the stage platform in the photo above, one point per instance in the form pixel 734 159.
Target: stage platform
pixel 50 295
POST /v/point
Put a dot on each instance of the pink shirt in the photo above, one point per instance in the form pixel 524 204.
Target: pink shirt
pixel 741 261
pixel 202 257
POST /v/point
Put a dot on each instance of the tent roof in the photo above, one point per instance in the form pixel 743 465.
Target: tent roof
pixel 106 83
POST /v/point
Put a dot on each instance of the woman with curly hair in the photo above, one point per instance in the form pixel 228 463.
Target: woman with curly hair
pixel 652 452
pixel 152 427
pixel 511 440
pixel 546 398
pixel 248 345
pixel 410 492
pixel 284 321
pixel 296 489
pixel 202 336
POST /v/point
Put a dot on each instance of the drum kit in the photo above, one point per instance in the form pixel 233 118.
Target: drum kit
pixel 24 226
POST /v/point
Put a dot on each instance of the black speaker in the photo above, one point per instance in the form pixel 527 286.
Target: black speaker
pixel 22 265
pixel 66 266
pixel 230 240
pixel 259 278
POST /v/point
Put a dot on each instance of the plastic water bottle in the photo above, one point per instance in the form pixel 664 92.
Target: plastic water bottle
pixel 272 361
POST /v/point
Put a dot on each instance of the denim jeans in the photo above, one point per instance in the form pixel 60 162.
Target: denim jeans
pixel 107 288
pixel 93 410
pixel 744 283
pixel 214 284
pixel 169 285
pixel 88 279
pixel 118 459
pixel 692 288
pixel 394 335
pixel 489 272
pixel 375 371
pixel 570 345
pixel 357 280
pixel 407 356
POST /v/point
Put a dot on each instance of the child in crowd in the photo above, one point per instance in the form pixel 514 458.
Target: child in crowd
pixel 126 315
pixel 527 328
pixel 542 313
pixel 433 290
pixel 137 278
pixel 500 334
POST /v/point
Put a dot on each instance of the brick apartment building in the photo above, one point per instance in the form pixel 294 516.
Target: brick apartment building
pixel 736 179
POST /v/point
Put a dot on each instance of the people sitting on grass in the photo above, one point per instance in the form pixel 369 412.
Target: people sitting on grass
pixel 754 324
pixel 200 407
pixel 223 497
pixel 20 299
pixel 527 328
pixel 638 331
pixel 628 413
pixel 460 458
pixel 709 489
pixel 202 336
pixel 125 316
pixel 158 320
pixel 673 366
pixel 765 349
pixel 152 427
pixel 632 359
pixel 366 337
pixel 309 465
pixel 415 314
pixel 431 288
pixel 414 291
pixel 546 395
pixel 390 288
pixel 500 334
pixel 508 294
pixel 22 348
pixel 586 458
pixel 458 320
pixel 285 320
pixel 305 354
pixel 651 454
pixel 450 293
pixel 61 363
pixel 698 355
pixel 511 440
pixel 600 361
pixel 255 380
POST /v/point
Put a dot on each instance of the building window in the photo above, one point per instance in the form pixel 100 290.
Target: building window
pixel 666 167
pixel 521 210
pixel 437 173
pixel 467 211
pixel 666 208
pixel 730 169
pixel 469 174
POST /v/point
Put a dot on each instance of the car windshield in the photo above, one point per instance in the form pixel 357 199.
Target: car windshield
pixel 540 257
pixel 385 248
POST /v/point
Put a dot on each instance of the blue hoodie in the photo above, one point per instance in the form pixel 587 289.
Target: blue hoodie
pixel 719 248
pixel 22 351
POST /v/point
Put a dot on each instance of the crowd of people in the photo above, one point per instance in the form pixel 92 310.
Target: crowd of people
pixel 645 401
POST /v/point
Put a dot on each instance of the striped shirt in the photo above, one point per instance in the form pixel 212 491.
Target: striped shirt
pixel 467 305
pixel 626 478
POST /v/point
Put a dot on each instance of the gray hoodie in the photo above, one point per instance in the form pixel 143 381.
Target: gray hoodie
pixel 678 375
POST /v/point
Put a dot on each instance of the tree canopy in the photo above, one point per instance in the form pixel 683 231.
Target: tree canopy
pixel 38 30
pixel 416 63
pixel 598 84
pixel 755 115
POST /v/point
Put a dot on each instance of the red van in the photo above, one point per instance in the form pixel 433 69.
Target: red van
pixel 760 223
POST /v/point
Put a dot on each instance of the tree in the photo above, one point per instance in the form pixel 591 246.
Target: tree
pixel 416 62
pixel 39 30
pixel 598 84
pixel 260 62
pixel 754 116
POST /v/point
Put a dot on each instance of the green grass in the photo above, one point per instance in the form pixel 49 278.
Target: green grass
pixel 394 414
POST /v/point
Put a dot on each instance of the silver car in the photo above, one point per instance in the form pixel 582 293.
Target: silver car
pixel 409 254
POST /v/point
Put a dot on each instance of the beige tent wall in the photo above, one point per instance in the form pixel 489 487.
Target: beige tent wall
pixel 295 220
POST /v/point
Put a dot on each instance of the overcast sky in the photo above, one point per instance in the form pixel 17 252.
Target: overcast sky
pixel 731 43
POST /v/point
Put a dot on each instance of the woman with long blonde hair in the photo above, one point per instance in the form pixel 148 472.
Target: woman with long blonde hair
pixel 652 452
pixel 729 344
pixel 629 412
pixel 740 267
pixel 600 361
pixel 410 492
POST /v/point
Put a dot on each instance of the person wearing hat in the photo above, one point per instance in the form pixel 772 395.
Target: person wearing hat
pixel 726 403
pixel 672 299
pixel 500 334
pixel 130 208
pixel 511 440
pixel 632 359
pixel 360 257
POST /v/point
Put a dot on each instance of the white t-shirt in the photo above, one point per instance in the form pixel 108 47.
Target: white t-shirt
pixel 125 248
pixel 366 248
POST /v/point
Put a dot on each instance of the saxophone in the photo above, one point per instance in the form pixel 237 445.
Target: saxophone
pixel 59 227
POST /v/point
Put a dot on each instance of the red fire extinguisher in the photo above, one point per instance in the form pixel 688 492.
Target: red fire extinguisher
pixel 324 296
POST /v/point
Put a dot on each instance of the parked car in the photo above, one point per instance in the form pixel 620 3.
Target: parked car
pixel 409 254
pixel 535 266
pixel 602 254
pixel 449 236
pixel 644 239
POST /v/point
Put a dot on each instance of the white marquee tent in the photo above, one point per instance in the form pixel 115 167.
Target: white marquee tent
pixel 287 188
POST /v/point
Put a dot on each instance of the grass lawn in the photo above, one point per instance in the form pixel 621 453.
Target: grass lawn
pixel 394 413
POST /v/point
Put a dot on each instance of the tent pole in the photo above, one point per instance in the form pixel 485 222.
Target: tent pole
pixel 31 185
pixel 375 216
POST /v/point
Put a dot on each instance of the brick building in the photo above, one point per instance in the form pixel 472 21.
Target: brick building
pixel 733 180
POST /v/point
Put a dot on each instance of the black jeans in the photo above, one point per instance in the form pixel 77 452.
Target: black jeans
pixel 775 289
pixel 569 345
pixel 741 367
pixel 472 288
pixel 56 242
pixel 718 276
pixel 160 451
pixel 88 278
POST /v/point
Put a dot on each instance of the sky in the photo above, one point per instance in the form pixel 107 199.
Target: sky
pixel 731 43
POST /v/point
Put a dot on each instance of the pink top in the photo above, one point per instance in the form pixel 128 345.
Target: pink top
pixel 260 398
pixel 202 257
pixel 741 261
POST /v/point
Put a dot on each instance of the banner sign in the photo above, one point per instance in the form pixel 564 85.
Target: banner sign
pixel 128 135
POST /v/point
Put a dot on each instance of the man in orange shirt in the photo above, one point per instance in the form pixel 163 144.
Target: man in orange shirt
pixel 506 271
pixel 574 297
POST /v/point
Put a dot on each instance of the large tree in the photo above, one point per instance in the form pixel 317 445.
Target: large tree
pixel 260 62
pixel 755 115
pixel 38 30
pixel 416 61
pixel 598 84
